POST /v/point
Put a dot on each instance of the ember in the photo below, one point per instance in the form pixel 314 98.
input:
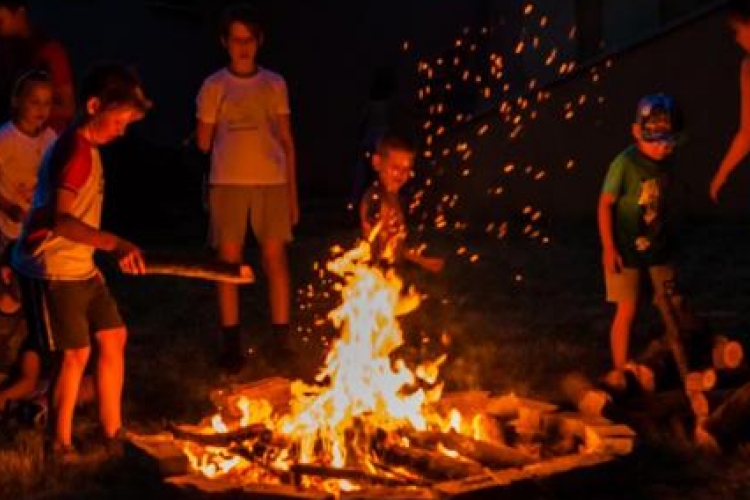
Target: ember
pixel 371 420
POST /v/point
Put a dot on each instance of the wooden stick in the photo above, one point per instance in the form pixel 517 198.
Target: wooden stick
pixel 488 454
pixel 432 465
pixel 191 433
pixel 205 269
pixel 299 470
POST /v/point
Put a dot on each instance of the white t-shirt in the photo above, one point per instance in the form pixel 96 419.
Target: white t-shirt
pixel 72 163
pixel 20 159
pixel 247 149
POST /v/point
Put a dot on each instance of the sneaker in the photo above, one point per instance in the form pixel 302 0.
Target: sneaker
pixel 115 446
pixel 63 454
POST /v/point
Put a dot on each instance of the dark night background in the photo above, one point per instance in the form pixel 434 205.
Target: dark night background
pixel 327 50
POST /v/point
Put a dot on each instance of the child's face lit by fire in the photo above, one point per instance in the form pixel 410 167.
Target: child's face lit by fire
pixel 33 105
pixel 394 168
pixel 106 125
pixel 657 150
pixel 242 44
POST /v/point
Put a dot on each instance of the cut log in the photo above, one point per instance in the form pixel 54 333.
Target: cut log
pixel 432 465
pixel 488 454
pixel 205 269
pixel 701 381
pixel 194 434
pixel 672 331
pixel 726 354
pixel 581 392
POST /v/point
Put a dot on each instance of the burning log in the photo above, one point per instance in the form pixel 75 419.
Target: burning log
pixel 221 439
pixel 488 454
pixel 299 470
pixel 430 464
pixel 206 269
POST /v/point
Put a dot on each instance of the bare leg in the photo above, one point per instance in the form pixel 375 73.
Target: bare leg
pixel 65 392
pixel 110 375
pixel 276 267
pixel 227 294
pixel 620 333
pixel 30 368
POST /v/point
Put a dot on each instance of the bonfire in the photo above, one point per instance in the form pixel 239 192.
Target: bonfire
pixel 370 418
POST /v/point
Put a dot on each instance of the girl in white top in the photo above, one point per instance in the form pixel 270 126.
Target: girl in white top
pixel 23 141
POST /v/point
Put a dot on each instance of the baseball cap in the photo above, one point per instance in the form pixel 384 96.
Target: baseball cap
pixel 659 118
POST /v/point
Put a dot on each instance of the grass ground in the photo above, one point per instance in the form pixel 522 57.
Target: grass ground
pixel 518 319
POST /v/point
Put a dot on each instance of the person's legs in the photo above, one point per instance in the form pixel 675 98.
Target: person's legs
pixel 64 394
pixel 271 222
pixel 622 290
pixel 29 370
pixel 229 212
pixel 110 376
pixel 276 267
pixel 622 324
pixel 228 294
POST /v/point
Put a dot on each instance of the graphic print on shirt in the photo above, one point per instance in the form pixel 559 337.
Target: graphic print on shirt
pixel 651 213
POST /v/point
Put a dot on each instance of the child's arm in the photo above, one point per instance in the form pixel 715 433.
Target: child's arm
pixel 204 136
pixel 287 143
pixel 610 256
pixel 72 228
pixel 740 146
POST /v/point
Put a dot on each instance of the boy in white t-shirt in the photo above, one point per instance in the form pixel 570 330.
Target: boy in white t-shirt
pixel 243 121
pixel 23 141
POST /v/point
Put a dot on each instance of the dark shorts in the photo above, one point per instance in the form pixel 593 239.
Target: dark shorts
pixel 66 314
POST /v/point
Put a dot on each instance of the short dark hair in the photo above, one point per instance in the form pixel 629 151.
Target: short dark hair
pixel 395 141
pixel 27 78
pixel 739 8
pixel 14 5
pixel 243 14
pixel 113 84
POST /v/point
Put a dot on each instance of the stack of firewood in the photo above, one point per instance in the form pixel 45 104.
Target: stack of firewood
pixel 690 375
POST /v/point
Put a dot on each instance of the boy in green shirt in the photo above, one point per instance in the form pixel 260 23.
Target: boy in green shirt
pixel 632 220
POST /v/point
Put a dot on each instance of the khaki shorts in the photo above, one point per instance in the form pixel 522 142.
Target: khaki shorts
pixel 266 208
pixel 626 285
pixel 66 314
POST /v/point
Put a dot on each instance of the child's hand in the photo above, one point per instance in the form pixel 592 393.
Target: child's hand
pixel 129 257
pixel 612 261
pixel 716 184
pixel 432 264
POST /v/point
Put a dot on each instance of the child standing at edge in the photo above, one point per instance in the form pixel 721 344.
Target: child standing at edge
pixel 32 49
pixel 23 141
pixel 67 302
pixel 632 221
pixel 381 209
pixel 739 21
pixel 243 121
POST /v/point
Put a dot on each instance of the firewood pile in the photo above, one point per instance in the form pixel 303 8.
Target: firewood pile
pixel 523 442
pixel 691 382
